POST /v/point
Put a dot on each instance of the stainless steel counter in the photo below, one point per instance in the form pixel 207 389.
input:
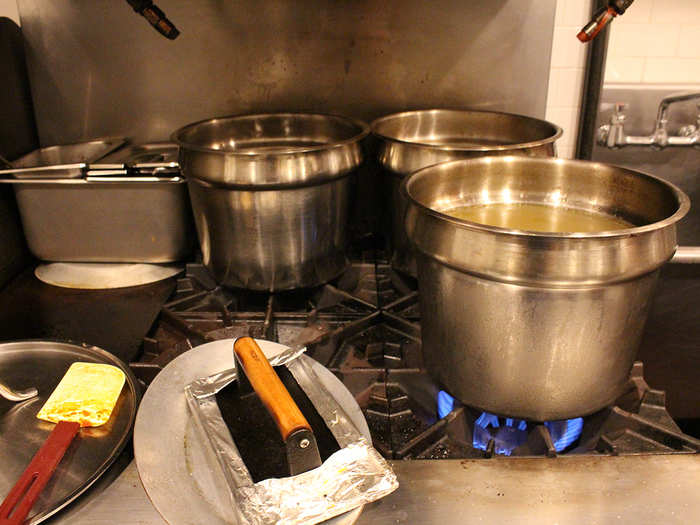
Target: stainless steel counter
pixel 566 490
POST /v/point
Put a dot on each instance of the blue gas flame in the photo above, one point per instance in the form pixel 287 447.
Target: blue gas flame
pixel 564 432
pixel 445 403
pixel 509 433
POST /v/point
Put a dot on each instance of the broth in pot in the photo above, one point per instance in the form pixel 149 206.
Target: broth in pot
pixel 538 218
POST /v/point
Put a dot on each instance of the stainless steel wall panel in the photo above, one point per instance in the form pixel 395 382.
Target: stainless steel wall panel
pixel 97 68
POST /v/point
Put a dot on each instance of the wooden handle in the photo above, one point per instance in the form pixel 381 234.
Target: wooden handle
pixel 19 501
pixel 269 388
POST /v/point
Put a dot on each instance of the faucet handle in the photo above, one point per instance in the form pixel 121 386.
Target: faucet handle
pixel 688 131
pixel 618 115
pixel 692 131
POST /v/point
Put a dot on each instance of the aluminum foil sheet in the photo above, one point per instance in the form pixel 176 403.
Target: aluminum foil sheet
pixel 353 476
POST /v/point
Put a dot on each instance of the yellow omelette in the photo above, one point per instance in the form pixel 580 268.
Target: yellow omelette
pixel 86 395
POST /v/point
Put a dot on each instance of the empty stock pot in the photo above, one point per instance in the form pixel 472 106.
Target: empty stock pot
pixel 416 139
pixel 537 325
pixel 270 196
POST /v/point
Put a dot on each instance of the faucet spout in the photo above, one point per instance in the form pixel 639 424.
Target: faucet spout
pixel 613 135
pixel 662 114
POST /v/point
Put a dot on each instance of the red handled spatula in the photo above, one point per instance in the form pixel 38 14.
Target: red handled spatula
pixel 85 397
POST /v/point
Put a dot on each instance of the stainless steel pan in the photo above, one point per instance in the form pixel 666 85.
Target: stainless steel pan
pixel 106 219
pixel 62 161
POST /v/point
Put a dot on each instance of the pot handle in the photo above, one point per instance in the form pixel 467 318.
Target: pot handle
pixel 269 387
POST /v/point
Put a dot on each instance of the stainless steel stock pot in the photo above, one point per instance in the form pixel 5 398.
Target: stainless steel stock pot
pixel 270 195
pixel 416 139
pixel 535 325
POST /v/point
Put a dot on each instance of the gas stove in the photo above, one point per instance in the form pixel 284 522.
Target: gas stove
pixel 365 327
pixel 630 460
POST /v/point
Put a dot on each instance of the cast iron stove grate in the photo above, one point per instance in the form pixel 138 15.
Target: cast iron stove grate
pixel 367 331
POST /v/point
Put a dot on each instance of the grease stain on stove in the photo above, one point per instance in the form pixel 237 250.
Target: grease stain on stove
pixel 188 460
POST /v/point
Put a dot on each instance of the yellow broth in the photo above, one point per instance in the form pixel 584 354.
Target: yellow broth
pixel 538 218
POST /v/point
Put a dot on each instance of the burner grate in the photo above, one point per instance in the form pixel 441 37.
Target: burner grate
pixel 365 327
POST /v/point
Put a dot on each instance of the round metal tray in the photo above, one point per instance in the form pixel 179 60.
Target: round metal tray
pixel 179 474
pixel 42 364
pixel 103 276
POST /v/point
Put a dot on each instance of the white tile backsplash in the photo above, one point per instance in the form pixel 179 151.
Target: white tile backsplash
pixel 623 41
pixel 675 11
pixel 567 119
pixel 642 40
pixel 689 41
pixel 567 51
pixel 8 8
pixel 625 70
pixel 671 71
pixel 662 40
pixel 656 42
pixel 574 12
pixel 639 12
pixel 567 71
pixel 566 86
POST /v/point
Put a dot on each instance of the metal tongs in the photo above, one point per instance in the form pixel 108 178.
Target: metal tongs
pixel 64 161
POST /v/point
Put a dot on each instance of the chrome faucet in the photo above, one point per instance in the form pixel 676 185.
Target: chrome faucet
pixel 613 135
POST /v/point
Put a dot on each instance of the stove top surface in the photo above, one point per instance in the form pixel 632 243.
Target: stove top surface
pixel 370 338
pixel 365 327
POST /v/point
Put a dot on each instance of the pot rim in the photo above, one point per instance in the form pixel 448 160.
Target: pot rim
pixel 279 186
pixel 682 199
pixel 447 147
pixel 363 127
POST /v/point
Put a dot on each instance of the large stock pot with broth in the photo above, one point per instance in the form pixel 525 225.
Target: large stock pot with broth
pixel 536 277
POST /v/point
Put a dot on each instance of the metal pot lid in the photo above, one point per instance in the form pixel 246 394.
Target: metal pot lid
pixel 181 479
pixel 42 364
